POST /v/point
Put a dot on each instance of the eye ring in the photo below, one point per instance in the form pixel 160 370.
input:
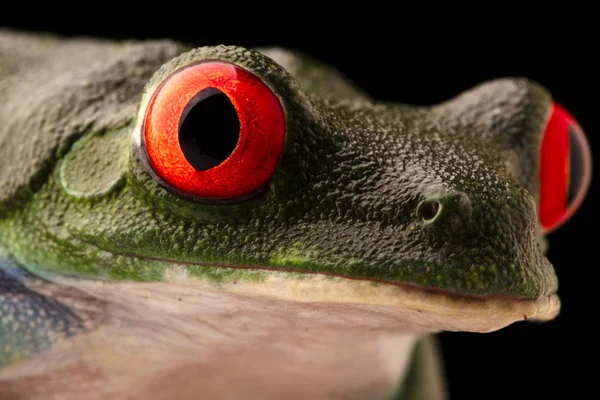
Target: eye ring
pixel 255 154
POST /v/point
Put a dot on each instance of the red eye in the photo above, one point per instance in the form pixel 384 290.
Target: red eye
pixel 214 131
pixel 565 169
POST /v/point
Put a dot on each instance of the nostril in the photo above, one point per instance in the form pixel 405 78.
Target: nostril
pixel 428 210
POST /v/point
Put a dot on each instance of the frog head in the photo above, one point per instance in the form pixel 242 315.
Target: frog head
pixel 265 173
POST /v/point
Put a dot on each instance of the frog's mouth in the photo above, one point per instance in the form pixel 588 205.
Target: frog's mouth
pixel 421 306
pixel 427 307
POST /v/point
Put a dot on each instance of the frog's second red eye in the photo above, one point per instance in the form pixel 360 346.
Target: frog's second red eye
pixel 565 169
pixel 214 131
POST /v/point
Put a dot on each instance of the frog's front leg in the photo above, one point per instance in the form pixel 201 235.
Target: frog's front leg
pixel 424 379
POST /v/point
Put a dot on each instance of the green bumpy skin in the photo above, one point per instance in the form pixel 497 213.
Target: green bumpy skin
pixel 77 199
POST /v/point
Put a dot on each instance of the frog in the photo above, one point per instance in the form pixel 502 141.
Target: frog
pixel 182 221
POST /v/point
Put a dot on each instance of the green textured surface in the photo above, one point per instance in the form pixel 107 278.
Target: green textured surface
pixel 95 165
pixel 55 91
pixel 343 199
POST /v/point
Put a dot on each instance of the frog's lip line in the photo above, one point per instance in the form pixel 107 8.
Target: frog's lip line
pixel 404 285
pixel 444 310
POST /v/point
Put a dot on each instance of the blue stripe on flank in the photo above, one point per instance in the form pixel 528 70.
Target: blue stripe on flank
pixel 29 322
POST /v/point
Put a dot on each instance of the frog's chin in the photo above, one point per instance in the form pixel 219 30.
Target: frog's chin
pixel 427 308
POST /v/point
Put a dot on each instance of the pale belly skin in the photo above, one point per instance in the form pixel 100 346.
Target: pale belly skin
pixel 198 344
pixel 150 341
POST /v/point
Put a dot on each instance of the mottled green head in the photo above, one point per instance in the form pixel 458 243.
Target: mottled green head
pixel 441 197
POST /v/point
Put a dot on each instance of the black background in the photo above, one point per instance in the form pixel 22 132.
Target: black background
pixel 425 64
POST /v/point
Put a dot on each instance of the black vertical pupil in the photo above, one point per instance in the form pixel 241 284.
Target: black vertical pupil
pixel 209 129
